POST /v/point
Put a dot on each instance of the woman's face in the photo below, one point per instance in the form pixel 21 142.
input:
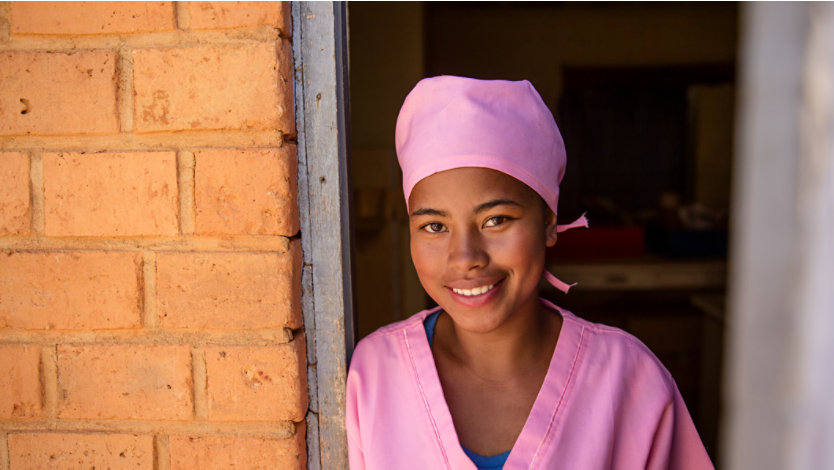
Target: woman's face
pixel 478 239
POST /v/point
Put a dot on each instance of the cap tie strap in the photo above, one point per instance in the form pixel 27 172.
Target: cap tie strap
pixel 581 222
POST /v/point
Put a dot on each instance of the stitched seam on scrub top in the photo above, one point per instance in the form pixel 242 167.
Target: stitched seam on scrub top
pixel 425 401
pixel 561 399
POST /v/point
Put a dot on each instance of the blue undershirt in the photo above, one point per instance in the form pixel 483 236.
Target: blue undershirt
pixel 495 462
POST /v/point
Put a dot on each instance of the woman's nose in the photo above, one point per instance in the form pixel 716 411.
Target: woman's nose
pixel 466 251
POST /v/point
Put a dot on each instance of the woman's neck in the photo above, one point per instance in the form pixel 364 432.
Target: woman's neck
pixel 523 342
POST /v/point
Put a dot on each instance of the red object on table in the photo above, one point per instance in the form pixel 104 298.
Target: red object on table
pixel 598 243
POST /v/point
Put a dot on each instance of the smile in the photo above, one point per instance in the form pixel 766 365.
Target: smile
pixel 473 292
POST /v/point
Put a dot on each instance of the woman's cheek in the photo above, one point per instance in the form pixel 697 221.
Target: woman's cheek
pixel 426 256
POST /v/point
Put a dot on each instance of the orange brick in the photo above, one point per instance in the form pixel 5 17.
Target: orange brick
pixel 236 86
pixel 58 93
pixel 229 290
pixel 285 83
pixel 110 194
pixel 20 386
pixel 249 191
pixel 252 453
pixel 264 383
pixel 75 18
pixel 43 450
pixel 216 15
pixel 124 381
pixel 69 290
pixel 14 193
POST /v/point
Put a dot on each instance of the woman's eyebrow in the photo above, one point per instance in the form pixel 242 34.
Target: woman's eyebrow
pixel 428 211
pixel 481 207
pixel 495 202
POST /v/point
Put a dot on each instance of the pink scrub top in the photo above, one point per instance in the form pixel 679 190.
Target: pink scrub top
pixel 606 403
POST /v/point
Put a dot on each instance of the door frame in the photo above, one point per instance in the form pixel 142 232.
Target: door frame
pixel 322 111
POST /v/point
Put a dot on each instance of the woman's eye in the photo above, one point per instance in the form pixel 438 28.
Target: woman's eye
pixel 495 221
pixel 433 227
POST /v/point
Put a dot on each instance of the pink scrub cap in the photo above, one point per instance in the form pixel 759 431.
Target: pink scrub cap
pixel 451 122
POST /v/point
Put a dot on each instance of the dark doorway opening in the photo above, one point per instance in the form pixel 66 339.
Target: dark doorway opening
pixel 644 95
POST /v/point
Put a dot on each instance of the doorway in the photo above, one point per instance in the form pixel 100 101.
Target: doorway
pixel 644 92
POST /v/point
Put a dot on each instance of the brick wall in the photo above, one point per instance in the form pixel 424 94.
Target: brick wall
pixel 149 267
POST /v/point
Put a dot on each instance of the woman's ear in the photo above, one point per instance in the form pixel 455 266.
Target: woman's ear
pixel 550 231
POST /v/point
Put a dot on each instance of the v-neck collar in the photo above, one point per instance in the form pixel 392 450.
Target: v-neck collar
pixel 538 429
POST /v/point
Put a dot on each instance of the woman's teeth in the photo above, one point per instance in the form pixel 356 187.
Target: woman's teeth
pixel 473 292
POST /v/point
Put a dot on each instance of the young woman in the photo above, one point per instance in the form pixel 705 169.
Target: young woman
pixel 495 377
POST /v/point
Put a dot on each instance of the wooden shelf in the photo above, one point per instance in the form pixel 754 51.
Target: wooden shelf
pixel 644 275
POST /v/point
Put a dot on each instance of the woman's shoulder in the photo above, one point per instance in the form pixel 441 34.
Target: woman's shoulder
pixel 612 348
pixel 384 333
pixel 386 342
pixel 610 336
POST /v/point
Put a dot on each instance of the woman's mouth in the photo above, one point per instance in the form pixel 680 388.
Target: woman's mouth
pixel 477 296
pixel 473 292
